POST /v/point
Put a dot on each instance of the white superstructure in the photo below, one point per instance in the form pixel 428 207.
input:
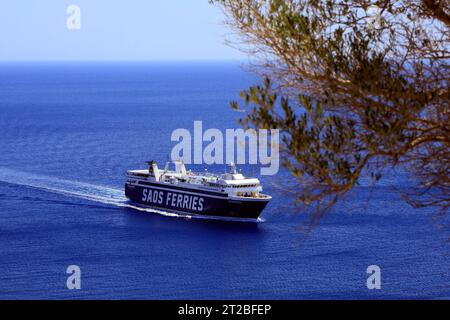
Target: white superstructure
pixel 232 183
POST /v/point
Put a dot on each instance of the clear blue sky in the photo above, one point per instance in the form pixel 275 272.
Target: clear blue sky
pixel 113 30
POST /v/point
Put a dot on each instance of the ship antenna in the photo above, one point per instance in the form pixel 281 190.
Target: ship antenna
pixel 232 167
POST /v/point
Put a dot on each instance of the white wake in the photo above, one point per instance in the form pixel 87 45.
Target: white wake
pixel 87 191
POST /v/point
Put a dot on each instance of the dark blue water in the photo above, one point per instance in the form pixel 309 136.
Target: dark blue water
pixel 68 132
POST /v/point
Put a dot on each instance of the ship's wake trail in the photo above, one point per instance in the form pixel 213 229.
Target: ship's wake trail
pixel 81 190
pixel 87 191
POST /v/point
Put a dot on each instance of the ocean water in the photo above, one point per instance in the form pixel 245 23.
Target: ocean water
pixel 69 131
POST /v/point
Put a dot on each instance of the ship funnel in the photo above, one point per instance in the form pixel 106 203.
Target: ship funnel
pixel 153 169
pixel 179 167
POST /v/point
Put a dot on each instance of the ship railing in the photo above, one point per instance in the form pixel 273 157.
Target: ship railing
pixel 251 195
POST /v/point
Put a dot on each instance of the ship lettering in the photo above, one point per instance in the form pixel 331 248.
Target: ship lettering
pixel 152 196
pixel 177 200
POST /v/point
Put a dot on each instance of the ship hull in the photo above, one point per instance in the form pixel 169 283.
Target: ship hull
pixel 194 202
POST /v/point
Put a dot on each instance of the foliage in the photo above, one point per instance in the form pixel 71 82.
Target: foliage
pixel 354 86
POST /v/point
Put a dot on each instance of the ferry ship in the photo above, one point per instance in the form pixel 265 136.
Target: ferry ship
pixel 174 189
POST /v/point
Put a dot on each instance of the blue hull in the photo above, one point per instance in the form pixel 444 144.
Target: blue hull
pixel 194 202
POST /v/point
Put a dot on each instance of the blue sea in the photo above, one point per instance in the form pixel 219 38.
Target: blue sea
pixel 68 133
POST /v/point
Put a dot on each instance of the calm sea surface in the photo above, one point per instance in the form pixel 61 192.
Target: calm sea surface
pixel 68 132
